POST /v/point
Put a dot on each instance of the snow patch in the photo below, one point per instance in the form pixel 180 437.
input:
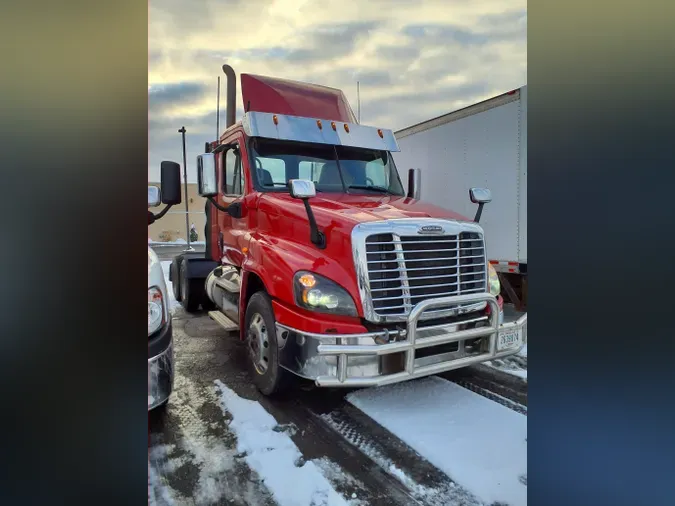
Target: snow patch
pixel 159 464
pixel 274 456
pixel 478 443
pixel 337 476
pixel 207 453
pixel 177 242
pixel 521 373
pixel 515 365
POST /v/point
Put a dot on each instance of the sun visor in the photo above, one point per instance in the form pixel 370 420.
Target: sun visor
pixel 281 96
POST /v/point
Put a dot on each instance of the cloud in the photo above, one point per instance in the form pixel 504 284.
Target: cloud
pixel 164 96
pixel 414 61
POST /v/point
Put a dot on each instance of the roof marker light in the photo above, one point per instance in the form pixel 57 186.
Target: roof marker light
pixel 332 124
pixel 346 128
pixel 379 132
pixel 275 119
pixel 318 123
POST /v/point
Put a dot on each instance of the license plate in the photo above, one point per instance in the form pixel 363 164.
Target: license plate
pixel 508 339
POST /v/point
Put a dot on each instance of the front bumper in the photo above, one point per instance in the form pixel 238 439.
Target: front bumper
pixel 381 358
pixel 160 368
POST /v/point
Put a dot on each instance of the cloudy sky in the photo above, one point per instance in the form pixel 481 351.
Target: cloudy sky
pixel 414 59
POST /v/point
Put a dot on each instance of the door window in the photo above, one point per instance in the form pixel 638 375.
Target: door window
pixel 233 173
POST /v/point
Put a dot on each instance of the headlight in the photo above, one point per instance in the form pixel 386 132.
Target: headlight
pixel 317 293
pixel 493 280
pixel 155 310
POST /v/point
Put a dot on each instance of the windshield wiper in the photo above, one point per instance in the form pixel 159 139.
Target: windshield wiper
pixel 379 189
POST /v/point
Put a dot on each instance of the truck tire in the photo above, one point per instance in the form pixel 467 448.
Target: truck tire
pixel 207 304
pixel 192 290
pixel 262 347
pixel 175 278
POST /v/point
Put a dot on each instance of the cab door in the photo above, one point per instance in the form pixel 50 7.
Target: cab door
pixel 233 231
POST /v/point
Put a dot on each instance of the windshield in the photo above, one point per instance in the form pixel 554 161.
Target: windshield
pixel 337 169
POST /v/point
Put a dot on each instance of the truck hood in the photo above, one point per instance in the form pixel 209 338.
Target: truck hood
pixel 353 209
pixel 281 246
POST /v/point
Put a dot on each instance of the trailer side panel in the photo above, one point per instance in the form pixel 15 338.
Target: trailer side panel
pixel 481 149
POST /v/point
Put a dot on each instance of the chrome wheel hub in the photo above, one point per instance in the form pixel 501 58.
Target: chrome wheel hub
pixel 259 343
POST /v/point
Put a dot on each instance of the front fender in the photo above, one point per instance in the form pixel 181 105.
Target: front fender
pixel 277 260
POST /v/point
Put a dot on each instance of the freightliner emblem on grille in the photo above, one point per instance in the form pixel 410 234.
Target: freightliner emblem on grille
pixel 430 229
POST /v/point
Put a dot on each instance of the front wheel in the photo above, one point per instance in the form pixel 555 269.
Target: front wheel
pixel 262 346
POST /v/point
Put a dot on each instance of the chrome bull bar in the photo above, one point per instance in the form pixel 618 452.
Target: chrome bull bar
pixel 411 342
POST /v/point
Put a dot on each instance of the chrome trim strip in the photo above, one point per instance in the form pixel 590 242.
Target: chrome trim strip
pixel 332 337
pixel 470 110
pixel 301 129
pixel 386 335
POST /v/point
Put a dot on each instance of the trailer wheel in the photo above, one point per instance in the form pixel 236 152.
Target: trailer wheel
pixel 175 279
pixel 263 350
pixel 191 290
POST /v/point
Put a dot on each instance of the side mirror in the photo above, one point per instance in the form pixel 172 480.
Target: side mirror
pixel 302 188
pixel 206 175
pixel 170 183
pixel 414 183
pixel 480 195
pixel 154 196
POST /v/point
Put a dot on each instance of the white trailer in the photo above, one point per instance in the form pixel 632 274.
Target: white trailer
pixel 483 145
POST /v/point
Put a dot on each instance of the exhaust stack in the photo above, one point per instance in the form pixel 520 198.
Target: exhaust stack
pixel 231 105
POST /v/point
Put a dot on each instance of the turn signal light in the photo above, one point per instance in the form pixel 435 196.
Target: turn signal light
pixel 307 280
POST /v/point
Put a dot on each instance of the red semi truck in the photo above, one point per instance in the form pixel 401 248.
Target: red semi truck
pixel 328 267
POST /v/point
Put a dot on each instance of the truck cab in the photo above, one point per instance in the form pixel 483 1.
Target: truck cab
pixel 321 259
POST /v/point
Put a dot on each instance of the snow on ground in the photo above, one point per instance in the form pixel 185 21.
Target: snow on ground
pixel 478 443
pixel 199 449
pixel 160 464
pixel 177 242
pixel 274 456
pixel 173 303
pixel 516 365
pixel 337 476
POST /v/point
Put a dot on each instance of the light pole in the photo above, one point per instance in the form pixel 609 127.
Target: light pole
pixel 187 218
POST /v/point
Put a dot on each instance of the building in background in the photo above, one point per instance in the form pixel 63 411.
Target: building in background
pixel 172 226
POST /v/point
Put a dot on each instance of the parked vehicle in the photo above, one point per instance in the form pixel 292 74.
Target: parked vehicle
pixel 320 260
pixel 160 338
pixel 483 144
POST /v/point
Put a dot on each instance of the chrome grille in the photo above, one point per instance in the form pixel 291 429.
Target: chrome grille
pixel 405 270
